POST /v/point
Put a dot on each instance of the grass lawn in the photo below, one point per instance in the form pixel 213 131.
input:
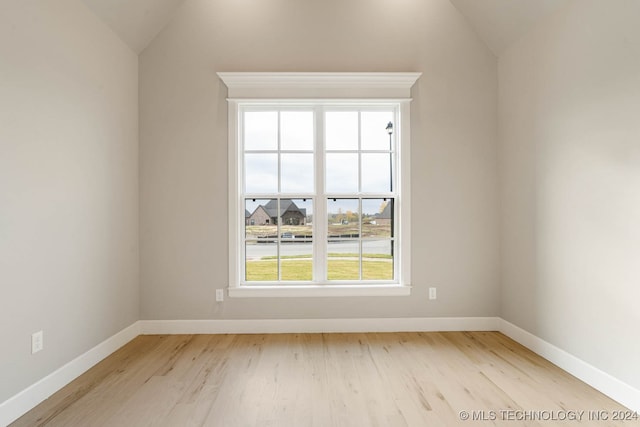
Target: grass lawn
pixel 261 271
pixel 301 269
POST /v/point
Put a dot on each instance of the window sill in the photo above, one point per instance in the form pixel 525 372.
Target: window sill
pixel 319 291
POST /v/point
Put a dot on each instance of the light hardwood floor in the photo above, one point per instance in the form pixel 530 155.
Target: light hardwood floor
pixel 376 379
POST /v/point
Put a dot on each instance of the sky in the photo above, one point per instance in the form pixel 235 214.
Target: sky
pixel 348 169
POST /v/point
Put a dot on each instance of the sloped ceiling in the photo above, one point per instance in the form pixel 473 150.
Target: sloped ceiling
pixel 136 22
pixel 497 22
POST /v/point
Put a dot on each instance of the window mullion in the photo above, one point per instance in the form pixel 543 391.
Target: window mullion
pixel 360 194
pixel 359 152
pixel 360 236
pixel 278 214
pixel 320 204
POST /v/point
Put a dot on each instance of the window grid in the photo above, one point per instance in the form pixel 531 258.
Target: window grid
pixel 320 235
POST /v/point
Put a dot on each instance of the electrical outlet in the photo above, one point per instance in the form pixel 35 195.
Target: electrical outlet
pixel 219 295
pixel 37 342
pixel 432 293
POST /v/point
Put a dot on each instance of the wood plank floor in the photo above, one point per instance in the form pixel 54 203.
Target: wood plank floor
pixel 376 379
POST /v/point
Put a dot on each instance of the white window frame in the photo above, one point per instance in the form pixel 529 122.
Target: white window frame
pixel 355 89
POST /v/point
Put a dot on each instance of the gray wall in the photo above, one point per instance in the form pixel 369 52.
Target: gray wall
pixel 68 186
pixel 183 123
pixel 570 150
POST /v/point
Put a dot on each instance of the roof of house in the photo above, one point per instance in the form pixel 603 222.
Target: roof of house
pixel 386 212
pixel 260 207
pixel 286 205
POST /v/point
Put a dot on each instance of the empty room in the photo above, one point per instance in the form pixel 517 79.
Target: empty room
pixel 319 212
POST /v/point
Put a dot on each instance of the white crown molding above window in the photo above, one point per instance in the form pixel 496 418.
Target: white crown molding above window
pixel 319 85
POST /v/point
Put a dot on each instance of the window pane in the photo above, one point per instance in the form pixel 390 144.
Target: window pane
pixel 259 222
pixel 279 155
pixel 296 216
pixel 377 260
pixel 343 262
pixel 342 173
pixel 296 130
pixel 376 175
pixel 343 218
pixel 296 260
pixel 261 130
pixel 297 173
pixel 373 130
pixel 261 261
pixel 341 130
pixel 377 218
pixel 261 173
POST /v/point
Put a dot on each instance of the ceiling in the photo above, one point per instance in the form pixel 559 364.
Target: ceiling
pixel 137 22
pixel 497 22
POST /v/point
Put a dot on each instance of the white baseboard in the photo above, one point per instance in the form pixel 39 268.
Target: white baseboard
pixel 16 406
pixel 21 403
pixel 276 326
pixel 600 380
pixel 27 399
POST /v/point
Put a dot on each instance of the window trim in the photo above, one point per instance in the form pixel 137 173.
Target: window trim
pixel 337 88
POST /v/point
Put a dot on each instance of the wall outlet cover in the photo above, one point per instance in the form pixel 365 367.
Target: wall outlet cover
pixel 37 342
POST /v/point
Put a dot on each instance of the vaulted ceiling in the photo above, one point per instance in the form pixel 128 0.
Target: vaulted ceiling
pixel 497 22
pixel 501 22
pixel 137 22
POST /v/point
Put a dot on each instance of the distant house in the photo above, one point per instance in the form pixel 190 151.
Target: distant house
pixel 384 217
pixel 260 217
pixel 290 214
pixel 247 217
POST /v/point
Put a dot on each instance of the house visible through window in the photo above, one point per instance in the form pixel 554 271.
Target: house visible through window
pixel 322 187
pixel 336 225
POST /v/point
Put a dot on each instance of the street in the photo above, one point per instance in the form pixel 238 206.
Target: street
pixel 259 250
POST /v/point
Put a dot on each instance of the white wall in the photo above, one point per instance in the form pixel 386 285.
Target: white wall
pixel 570 155
pixel 183 120
pixel 68 186
pixel 569 97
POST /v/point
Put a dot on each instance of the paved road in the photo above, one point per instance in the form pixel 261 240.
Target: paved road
pixel 269 249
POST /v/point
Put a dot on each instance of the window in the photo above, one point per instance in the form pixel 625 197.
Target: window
pixel 323 184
